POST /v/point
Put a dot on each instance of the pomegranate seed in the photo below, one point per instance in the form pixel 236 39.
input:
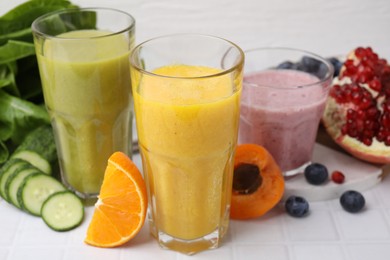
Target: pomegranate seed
pixel 385 120
pixel 367 141
pixel 365 103
pixel 337 177
pixel 375 84
pixel 360 52
pixel 373 113
pixel 387 140
pixel 386 106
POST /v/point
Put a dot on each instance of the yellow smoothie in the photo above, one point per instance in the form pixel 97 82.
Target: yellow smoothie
pixel 87 92
pixel 187 131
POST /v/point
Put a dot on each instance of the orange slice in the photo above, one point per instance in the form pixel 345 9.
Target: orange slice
pixel 121 207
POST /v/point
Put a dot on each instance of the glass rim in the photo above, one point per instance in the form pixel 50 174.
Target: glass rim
pixel 236 65
pixel 35 30
pixel 319 82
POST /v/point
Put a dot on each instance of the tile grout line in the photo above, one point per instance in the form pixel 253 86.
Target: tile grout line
pixel 341 242
pixel 287 239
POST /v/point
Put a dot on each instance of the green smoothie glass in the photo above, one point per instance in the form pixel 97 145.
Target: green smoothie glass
pixel 83 57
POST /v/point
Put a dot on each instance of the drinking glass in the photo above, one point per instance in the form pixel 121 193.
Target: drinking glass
pixel 83 57
pixel 283 99
pixel 187 91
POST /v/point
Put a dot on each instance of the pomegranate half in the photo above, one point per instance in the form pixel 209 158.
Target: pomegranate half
pixel 357 112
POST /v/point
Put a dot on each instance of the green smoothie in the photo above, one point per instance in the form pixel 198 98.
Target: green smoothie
pixel 86 84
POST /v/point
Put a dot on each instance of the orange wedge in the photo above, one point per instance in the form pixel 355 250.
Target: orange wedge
pixel 121 207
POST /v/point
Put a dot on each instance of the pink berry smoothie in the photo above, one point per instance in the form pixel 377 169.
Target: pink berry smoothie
pixel 281 110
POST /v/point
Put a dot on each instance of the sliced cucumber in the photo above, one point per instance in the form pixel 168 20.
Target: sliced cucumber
pixel 62 211
pixel 39 149
pixel 34 159
pixel 35 189
pixel 15 181
pixel 8 169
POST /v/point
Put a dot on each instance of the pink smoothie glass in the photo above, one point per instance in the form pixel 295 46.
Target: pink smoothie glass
pixel 283 99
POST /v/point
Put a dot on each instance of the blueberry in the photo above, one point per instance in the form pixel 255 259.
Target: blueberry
pixel 298 66
pixel 285 65
pixel 316 173
pixel 297 206
pixel 337 64
pixel 310 64
pixel 322 70
pixel 352 201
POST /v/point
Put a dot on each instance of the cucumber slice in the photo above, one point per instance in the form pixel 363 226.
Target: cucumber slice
pixel 15 181
pixel 35 189
pixel 9 168
pixel 62 211
pixel 35 159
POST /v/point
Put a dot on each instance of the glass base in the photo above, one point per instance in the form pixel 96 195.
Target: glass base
pixel 296 171
pixel 88 198
pixel 189 247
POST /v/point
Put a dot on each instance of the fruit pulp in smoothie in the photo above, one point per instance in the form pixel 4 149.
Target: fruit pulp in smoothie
pixel 187 131
pixel 87 92
pixel 280 116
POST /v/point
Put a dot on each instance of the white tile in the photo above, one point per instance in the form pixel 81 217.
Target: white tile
pixel 91 253
pixel 387 215
pixel 382 190
pixel 145 247
pixel 369 251
pixel 3 253
pixel 223 252
pixel 365 225
pixel 261 252
pixel 318 252
pixel 10 219
pixel 34 232
pixel 41 253
pixel 317 226
pixel 267 228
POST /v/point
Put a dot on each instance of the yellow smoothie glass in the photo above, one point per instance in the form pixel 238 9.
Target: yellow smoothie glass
pixel 83 57
pixel 187 97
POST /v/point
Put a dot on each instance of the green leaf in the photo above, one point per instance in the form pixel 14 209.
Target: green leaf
pixel 14 50
pixel 20 35
pixel 16 23
pixel 7 78
pixel 4 153
pixel 20 117
pixel 5 131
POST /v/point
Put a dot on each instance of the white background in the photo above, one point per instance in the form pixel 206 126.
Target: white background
pixel 326 27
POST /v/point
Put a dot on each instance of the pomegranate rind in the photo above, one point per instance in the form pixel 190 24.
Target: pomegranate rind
pixel 333 119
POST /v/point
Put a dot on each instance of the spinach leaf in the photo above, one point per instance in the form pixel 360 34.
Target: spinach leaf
pixel 7 78
pixel 20 116
pixel 17 22
pixel 4 153
pixel 14 50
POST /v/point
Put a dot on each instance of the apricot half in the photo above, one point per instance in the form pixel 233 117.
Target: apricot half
pixel 258 183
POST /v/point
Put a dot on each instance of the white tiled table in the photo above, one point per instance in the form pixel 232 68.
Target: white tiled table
pixel 327 233
pixel 322 26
